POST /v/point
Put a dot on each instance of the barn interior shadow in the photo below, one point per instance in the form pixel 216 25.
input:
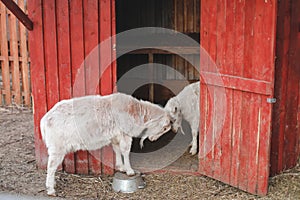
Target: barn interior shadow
pixel 131 14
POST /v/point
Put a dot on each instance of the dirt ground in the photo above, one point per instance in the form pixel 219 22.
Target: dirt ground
pixel 18 174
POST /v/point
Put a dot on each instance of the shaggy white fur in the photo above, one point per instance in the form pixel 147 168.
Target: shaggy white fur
pixel 91 122
pixel 186 105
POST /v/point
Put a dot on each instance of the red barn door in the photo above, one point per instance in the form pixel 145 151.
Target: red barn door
pixel 64 35
pixel 239 35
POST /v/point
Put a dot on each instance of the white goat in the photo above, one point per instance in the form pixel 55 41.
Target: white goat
pixel 186 105
pixel 91 122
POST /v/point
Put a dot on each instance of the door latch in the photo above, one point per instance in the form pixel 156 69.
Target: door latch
pixel 271 100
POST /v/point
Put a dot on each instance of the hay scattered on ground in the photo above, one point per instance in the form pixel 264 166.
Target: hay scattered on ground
pixel 20 176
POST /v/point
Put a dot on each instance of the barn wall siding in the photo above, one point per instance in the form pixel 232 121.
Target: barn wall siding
pixel 239 36
pixel 286 129
pixel 65 32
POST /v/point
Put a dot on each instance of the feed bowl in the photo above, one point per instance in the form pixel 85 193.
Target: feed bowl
pixel 127 184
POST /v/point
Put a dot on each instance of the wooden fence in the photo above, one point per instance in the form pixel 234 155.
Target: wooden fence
pixel 14 59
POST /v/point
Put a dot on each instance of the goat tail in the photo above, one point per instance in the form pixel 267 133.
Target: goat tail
pixel 43 128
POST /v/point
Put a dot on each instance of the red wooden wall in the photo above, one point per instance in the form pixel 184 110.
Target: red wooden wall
pixel 240 37
pixel 286 115
pixel 65 32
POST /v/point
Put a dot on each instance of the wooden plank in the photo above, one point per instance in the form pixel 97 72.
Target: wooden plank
pixel 228 59
pixel 64 63
pixel 209 134
pixel 77 48
pixel 202 129
pixel 63 45
pixel 291 141
pixel 92 74
pixel 106 76
pixel 179 16
pixel 253 141
pixel 216 51
pixel 226 140
pixel 77 59
pixel 4 53
pixel 196 23
pixel 114 44
pixel 219 59
pixel 221 39
pixel 257 67
pixel 263 69
pixel 268 36
pixel 25 59
pixel 239 38
pixel 205 103
pixel 237 95
pixel 237 83
pixel 230 38
pixel 236 137
pixel 259 62
pixel 186 50
pixel 212 45
pixel 279 109
pixel 250 7
pixel 298 130
pixel 190 17
pixel 197 9
pixel 244 144
pixel 23 18
pixel 282 42
pixel 205 136
pixel 51 59
pixel 185 16
pixel 38 82
pixel 298 73
pixel 14 52
pixel 10 58
pixel 105 51
pixel 175 15
pixel 264 150
pixel 216 133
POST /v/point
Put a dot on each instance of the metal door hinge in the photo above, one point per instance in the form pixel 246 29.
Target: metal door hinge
pixel 271 100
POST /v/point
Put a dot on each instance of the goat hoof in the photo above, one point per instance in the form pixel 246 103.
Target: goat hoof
pixel 193 151
pixel 51 193
pixel 130 173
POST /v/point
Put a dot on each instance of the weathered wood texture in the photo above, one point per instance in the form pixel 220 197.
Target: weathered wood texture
pixel 14 59
pixel 240 38
pixel 65 33
pixel 286 118
pixel 19 13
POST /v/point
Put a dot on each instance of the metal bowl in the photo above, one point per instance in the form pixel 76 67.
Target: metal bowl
pixel 127 184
